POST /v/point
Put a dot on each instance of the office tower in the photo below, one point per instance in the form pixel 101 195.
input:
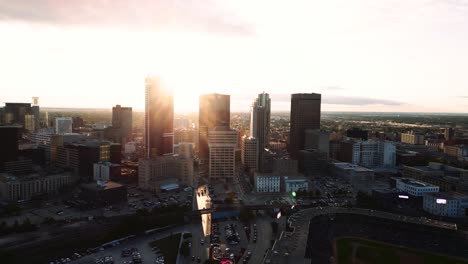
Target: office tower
pixel 249 148
pixel 449 133
pixel 305 114
pixel 122 120
pixel 63 125
pixel 29 123
pixel 14 113
pixel 80 157
pixel 35 111
pixel 260 124
pixel 222 143
pixel 49 142
pixel 159 119
pixel 9 136
pixel 215 110
pixel 318 140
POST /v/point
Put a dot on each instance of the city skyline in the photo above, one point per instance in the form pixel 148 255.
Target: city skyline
pixel 338 49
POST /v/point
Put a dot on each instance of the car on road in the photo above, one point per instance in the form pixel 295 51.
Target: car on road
pixel 202 242
pixel 198 260
pixel 193 258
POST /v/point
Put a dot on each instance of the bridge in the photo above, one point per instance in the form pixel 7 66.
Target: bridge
pixel 238 207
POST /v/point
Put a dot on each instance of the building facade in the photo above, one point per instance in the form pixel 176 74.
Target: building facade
pixel 449 204
pixel 159 119
pixel 412 138
pixel 122 119
pixel 265 182
pixel 305 114
pixel 448 178
pixel 23 188
pixel 260 115
pixel 63 125
pixel 222 143
pixel 374 154
pixel 295 183
pixel 415 188
pixel 249 152
pixel 153 173
pixel 214 111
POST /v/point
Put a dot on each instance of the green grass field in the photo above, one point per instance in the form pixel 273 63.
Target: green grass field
pixel 357 250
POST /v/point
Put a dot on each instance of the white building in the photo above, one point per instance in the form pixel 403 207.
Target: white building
pixel 222 143
pixel 152 173
pixel 374 154
pixel 249 153
pixel 415 188
pixel 265 182
pixel 23 188
pixel 63 125
pixel 104 171
pixel 451 204
pixel 295 183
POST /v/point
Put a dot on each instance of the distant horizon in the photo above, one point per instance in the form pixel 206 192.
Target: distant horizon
pixel 103 109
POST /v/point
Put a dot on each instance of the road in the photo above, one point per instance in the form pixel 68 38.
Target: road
pixel 264 237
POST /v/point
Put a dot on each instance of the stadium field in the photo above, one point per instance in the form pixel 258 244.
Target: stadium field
pixel 363 251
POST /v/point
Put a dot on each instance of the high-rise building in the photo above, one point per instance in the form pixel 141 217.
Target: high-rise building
pixel 63 125
pixel 29 123
pixel 249 154
pixel 122 120
pixel 214 111
pixel 159 119
pixel 14 113
pixel 49 142
pixel 316 139
pixel 449 133
pixel 35 111
pixel 305 114
pixel 222 143
pixel 260 124
pixel 374 154
pixel 80 157
pixel 9 136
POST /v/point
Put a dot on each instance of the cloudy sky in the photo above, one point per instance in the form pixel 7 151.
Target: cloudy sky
pixel 373 55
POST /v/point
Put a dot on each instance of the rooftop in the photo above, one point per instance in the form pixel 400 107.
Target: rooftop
pixel 448 195
pixel 106 186
pixel 350 166
pixel 415 183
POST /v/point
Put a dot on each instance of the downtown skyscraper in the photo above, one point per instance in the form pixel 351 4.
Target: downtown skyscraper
pixel 260 124
pixel 215 111
pixel 305 114
pixel 159 119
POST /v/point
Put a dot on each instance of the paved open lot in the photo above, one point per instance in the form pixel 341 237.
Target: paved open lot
pixel 141 243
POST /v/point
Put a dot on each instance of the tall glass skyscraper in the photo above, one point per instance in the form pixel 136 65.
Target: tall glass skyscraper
pixel 159 119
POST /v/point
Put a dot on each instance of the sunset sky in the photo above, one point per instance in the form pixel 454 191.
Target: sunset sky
pixel 402 55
